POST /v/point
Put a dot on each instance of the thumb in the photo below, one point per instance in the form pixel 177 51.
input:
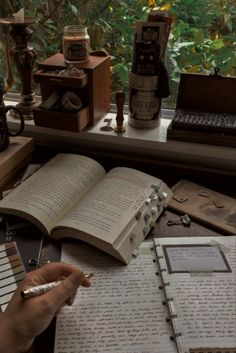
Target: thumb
pixel 67 288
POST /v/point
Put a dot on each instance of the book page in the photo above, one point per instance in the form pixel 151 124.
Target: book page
pixel 204 301
pixel 121 312
pixel 53 189
pixel 108 208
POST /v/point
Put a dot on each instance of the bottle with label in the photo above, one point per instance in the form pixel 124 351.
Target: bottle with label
pixel 144 101
pixel 75 44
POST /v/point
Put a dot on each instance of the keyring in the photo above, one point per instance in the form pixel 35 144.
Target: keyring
pixel 22 121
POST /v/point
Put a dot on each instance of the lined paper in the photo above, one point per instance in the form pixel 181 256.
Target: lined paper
pixel 121 312
pixel 205 303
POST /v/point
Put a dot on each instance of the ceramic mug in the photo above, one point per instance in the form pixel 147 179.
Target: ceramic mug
pixel 5 133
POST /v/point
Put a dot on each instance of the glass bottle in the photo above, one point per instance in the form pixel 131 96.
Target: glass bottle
pixel 75 44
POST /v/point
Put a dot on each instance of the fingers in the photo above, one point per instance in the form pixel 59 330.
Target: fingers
pixel 70 276
pixel 67 289
pixel 51 272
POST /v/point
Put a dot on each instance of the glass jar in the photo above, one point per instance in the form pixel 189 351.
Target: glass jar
pixel 75 44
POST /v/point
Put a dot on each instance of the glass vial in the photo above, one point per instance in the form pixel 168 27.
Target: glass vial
pixel 75 44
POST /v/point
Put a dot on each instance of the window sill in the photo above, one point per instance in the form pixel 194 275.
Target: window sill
pixel 142 144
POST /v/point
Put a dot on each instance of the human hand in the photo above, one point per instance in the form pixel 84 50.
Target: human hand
pixel 23 320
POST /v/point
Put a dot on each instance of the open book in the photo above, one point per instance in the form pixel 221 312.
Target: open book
pixel 72 196
pixel 177 295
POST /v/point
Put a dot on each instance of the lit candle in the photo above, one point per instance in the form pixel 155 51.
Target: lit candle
pixel 75 44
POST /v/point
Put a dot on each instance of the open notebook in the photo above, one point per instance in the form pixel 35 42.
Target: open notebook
pixel 177 295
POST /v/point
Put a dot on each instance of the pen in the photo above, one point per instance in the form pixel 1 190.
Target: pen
pixel 43 288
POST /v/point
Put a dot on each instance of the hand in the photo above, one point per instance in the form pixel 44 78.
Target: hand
pixel 24 319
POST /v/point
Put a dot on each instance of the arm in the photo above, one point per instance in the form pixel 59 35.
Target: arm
pixel 23 320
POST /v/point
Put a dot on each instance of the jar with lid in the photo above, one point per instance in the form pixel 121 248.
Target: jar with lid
pixel 75 44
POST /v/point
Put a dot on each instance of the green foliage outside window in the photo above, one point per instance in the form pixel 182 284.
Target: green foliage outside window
pixel 202 37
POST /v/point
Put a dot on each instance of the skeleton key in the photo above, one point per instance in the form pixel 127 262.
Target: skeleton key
pixel 184 220
pixel 108 126
pixel 174 222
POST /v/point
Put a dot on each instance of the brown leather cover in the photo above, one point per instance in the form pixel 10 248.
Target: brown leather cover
pixel 204 205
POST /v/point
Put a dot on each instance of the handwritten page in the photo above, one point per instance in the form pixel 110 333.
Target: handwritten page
pixel 205 303
pixel 121 312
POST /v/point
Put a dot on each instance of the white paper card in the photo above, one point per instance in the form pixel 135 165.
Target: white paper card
pixel 190 258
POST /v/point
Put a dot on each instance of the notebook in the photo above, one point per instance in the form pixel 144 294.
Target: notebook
pixel 152 305
pixel 199 281
pixel 12 271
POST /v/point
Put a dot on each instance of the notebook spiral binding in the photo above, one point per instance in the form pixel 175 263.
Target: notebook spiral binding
pixel 164 285
pixel 162 269
pixel 173 316
pixel 169 300
pixel 177 334
pixel 212 350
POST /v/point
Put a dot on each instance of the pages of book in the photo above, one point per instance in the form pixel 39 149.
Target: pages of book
pixel 72 196
pixel 199 276
pixel 48 194
pixel 108 208
pixel 121 312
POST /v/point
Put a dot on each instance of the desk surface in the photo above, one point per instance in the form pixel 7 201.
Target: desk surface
pixel 50 249
pixel 169 175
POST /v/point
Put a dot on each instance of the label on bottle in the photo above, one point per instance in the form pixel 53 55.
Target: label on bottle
pixel 144 105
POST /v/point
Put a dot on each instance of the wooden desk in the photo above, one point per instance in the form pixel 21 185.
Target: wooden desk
pixel 170 175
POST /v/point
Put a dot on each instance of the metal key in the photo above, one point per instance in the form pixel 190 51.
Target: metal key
pixel 185 220
pixel 174 222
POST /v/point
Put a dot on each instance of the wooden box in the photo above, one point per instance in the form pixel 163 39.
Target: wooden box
pixel 93 88
pixel 200 94
pixel 15 157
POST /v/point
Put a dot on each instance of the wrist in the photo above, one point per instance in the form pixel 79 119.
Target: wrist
pixel 12 339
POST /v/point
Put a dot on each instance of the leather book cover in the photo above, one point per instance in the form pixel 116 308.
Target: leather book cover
pixel 204 205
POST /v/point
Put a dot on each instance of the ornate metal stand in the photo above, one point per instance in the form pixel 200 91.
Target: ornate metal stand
pixel 24 57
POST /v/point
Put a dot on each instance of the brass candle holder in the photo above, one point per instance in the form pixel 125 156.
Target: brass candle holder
pixel 23 55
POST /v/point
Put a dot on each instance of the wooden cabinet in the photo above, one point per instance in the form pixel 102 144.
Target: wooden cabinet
pixel 93 89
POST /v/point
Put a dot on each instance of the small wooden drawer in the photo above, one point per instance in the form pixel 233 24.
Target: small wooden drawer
pixel 92 87
pixel 62 120
pixel 47 78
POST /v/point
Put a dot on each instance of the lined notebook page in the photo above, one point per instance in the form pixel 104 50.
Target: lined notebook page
pixel 121 312
pixel 205 303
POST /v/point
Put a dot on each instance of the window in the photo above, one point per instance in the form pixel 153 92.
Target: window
pixel 202 37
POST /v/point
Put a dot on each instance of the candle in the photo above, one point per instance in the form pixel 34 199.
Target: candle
pixel 75 44
pixel 19 16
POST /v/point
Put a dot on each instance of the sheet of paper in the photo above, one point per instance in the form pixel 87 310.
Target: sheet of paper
pixel 121 312
pixel 190 258
pixel 204 303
